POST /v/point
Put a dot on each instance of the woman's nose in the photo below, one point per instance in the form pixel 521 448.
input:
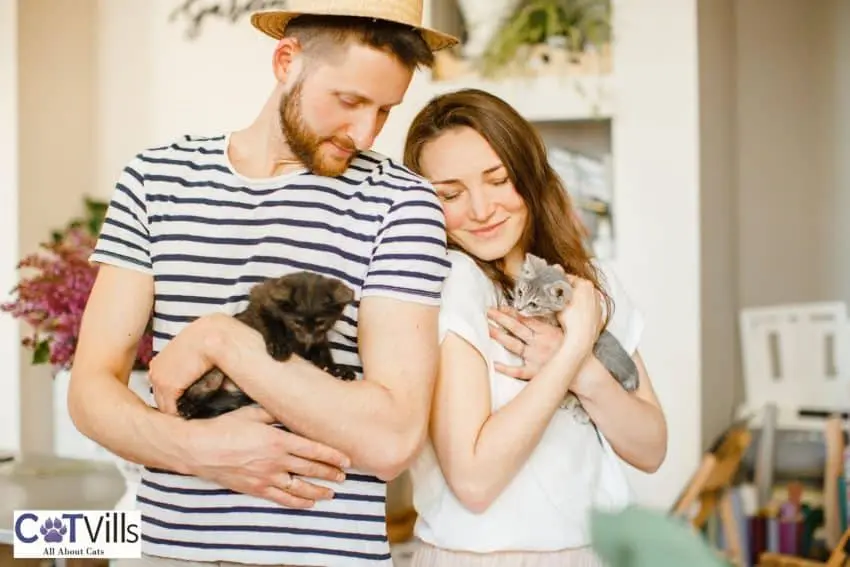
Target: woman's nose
pixel 481 206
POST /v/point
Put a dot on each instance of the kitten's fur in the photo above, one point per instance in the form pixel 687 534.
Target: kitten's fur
pixel 293 313
pixel 541 291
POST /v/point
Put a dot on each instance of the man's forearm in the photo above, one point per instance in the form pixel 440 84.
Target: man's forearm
pixel 360 418
pixel 635 428
pixel 109 413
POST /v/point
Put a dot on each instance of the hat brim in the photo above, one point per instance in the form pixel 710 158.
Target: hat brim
pixel 274 22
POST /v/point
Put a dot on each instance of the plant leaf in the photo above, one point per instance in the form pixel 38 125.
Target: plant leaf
pixel 41 354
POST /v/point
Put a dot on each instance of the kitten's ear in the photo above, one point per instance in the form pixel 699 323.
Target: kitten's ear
pixel 530 265
pixel 270 291
pixel 560 292
pixel 536 262
pixel 559 268
pixel 342 294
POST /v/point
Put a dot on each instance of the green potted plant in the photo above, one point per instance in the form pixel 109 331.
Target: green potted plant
pixel 572 25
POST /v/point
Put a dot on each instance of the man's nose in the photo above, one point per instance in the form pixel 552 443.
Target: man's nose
pixel 364 131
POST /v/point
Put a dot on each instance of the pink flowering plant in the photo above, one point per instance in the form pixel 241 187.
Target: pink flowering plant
pixel 51 298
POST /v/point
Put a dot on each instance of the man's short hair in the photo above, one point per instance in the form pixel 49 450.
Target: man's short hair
pixel 321 35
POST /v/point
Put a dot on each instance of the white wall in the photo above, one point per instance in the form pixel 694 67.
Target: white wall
pixel 57 144
pixel 718 214
pixel 154 84
pixel 793 127
pixel 840 209
pixel 793 143
pixel 9 329
pixel 656 172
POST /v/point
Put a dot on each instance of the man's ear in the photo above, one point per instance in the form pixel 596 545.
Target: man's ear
pixel 283 58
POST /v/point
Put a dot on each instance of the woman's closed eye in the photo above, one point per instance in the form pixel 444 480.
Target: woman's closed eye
pixel 349 102
pixel 449 192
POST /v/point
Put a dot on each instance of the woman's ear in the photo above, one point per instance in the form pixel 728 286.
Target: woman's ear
pixel 283 58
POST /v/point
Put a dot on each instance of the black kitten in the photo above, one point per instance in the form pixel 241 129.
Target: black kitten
pixel 294 314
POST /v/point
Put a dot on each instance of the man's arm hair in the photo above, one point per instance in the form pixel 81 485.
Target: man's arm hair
pixel 100 403
pixel 380 421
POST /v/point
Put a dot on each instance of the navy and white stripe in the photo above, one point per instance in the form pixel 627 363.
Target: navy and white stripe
pixel 206 235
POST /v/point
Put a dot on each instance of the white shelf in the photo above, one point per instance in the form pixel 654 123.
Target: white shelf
pixel 545 98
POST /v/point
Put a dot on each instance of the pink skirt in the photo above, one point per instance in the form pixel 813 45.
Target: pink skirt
pixel 429 556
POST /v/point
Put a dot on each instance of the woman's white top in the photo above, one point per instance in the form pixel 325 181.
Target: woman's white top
pixel 573 469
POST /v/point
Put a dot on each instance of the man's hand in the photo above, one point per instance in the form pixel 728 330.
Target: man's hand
pixel 241 451
pixel 192 352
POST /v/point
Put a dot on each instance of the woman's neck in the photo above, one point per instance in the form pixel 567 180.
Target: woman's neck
pixel 512 262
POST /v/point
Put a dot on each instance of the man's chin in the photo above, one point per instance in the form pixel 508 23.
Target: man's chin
pixel 330 167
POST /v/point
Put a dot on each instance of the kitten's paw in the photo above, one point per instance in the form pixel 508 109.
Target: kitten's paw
pixel 575 409
pixel 630 383
pixel 580 415
pixel 279 352
pixel 189 407
pixel 342 372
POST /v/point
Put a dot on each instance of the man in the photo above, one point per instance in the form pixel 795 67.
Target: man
pixel 194 224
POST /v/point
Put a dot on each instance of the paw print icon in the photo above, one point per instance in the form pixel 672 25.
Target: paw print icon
pixel 53 530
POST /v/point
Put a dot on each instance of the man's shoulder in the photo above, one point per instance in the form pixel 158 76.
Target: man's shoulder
pixel 389 173
pixel 186 148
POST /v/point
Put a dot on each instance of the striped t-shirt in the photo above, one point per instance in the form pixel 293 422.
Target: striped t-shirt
pixel 207 234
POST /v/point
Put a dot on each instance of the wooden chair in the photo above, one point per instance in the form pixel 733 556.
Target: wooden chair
pixel 710 488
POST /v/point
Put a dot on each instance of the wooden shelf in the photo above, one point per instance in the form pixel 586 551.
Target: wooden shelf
pixel 545 98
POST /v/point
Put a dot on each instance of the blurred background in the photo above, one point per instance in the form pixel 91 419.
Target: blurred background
pixel 706 142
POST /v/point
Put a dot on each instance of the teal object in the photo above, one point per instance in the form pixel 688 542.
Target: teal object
pixel 641 537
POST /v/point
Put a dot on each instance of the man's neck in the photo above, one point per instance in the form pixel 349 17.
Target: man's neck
pixel 260 150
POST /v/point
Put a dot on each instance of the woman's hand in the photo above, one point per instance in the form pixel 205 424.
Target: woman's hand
pixel 530 339
pixel 581 319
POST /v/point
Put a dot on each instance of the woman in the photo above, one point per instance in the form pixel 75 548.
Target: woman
pixel 506 477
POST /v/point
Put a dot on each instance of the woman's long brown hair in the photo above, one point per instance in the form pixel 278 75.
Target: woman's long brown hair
pixel 553 231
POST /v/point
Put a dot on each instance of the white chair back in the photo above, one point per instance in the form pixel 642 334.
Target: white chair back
pixel 796 356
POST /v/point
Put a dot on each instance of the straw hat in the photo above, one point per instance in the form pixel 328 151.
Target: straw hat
pixel 408 12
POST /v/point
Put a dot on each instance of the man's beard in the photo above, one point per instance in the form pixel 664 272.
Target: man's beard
pixel 305 143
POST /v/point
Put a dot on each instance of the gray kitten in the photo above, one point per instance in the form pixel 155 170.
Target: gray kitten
pixel 541 291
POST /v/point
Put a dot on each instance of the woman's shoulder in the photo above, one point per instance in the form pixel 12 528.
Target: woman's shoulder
pixel 466 281
pixel 460 260
pixel 465 270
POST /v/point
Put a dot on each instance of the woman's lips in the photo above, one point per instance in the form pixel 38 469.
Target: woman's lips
pixel 489 230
